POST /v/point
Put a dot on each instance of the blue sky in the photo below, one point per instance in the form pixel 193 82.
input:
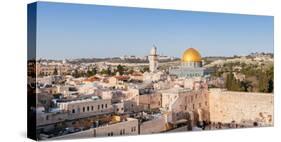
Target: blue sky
pixel 85 31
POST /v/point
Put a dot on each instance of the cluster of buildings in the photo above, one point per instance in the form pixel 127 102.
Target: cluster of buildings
pixel 252 59
pixel 145 58
pixel 177 99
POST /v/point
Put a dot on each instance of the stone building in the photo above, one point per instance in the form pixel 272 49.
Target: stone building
pixel 150 101
pixel 186 104
pixel 126 126
pixel 86 107
pixel 50 69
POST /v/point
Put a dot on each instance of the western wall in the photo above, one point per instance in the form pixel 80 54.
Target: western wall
pixel 241 107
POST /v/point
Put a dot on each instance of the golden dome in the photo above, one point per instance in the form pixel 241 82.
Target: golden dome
pixel 191 55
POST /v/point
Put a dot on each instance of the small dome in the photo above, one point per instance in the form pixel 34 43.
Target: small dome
pixel 191 55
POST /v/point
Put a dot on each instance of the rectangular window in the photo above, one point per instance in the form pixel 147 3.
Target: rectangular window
pixel 92 108
pixel 83 109
pixel 193 106
pixel 105 105
pixel 98 107
pixel 88 108
pixel 73 110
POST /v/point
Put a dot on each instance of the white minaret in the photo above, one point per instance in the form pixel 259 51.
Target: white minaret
pixel 153 61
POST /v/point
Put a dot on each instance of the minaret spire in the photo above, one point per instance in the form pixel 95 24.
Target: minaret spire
pixel 153 61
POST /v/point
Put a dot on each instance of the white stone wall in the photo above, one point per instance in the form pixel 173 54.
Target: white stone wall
pixel 49 118
pixel 150 101
pixel 156 125
pixel 192 102
pixel 241 107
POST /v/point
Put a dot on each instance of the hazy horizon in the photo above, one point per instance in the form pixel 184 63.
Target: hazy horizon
pixel 71 31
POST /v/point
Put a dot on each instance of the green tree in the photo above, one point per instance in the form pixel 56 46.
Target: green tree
pixel 231 83
pixel 103 71
pixel 262 81
pixel 228 82
pixel 270 76
pixel 145 69
pixel 94 70
pixel 245 85
pixel 75 73
pixel 91 72
pixel 106 71
pixel 120 69
pixel 270 86
pixel 235 84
